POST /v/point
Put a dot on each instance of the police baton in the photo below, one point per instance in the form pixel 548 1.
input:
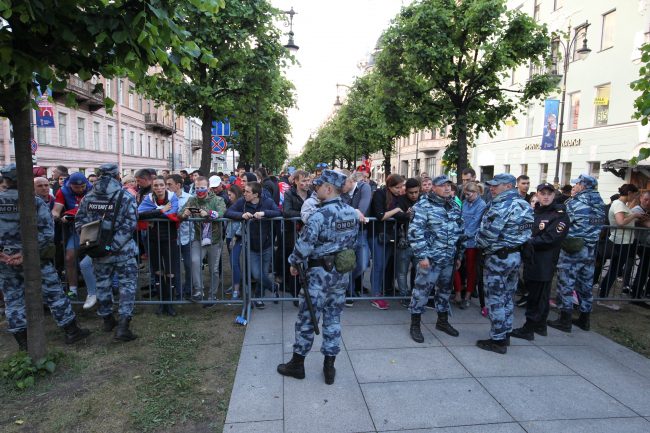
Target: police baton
pixel 305 293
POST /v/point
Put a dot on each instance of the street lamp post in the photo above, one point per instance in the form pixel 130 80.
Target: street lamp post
pixel 567 47
pixel 338 104
pixel 291 46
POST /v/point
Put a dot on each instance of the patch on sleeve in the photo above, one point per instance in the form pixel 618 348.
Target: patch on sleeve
pixel 561 226
pixel 542 225
pixel 525 226
pixel 344 225
pixel 8 207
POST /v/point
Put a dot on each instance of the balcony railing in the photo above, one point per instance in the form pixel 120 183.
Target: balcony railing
pixel 156 122
pixel 197 143
pixel 84 93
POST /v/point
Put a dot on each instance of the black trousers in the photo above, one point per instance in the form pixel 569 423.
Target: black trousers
pixel 537 306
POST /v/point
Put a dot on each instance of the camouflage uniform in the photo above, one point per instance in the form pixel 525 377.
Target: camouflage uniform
pixel 586 211
pixel 331 229
pixel 506 225
pixel 434 234
pixel 122 261
pixel 12 279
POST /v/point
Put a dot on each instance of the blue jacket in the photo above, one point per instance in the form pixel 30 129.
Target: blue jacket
pixel 260 230
pixel 436 229
pixel 472 214
pixel 507 223
pixel 586 211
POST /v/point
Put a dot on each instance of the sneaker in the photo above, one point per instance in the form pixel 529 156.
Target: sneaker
pixel 72 295
pixel 552 303
pixel 522 301
pixel 405 303
pixel 613 307
pixel 197 297
pixel 464 304
pixel 259 305
pixel 484 312
pixel 235 294
pixel 228 291
pixel 276 292
pixel 91 300
pixel 626 290
pixel 349 303
pixel 379 304
pixel 431 304
pixel 574 295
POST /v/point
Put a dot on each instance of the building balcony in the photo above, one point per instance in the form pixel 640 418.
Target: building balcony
pixel 84 93
pixel 156 122
pixel 197 143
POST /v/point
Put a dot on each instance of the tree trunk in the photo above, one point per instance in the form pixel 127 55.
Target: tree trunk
pixel 461 164
pixel 21 119
pixel 387 155
pixel 206 146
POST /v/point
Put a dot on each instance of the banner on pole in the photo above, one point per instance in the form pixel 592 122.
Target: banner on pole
pixel 45 112
pixel 551 111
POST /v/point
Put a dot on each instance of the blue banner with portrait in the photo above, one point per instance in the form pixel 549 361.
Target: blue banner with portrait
pixel 551 111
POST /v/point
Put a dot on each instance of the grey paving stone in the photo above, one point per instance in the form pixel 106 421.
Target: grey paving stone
pixel 255 427
pixel 559 338
pixel 384 337
pixel 632 360
pixel 512 427
pixel 388 365
pixel 470 315
pixel 257 391
pixel 608 374
pixel 431 403
pixel 519 361
pixel 553 397
pixel 469 333
pixel 618 425
pixel 312 406
pixel 363 314
pixel 263 328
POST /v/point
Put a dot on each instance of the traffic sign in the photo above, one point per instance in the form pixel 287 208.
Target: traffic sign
pixel 218 144
pixel 34 146
pixel 221 128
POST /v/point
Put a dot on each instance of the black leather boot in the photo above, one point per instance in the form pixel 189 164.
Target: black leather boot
pixel 582 322
pixel 294 368
pixel 443 325
pixel 540 329
pixel 21 339
pixel 563 322
pixel 109 323
pixel 170 311
pixel 496 346
pixel 74 333
pixel 328 369
pixel 123 333
pixel 416 333
pixel 526 332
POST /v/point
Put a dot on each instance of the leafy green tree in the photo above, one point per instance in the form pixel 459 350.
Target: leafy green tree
pixel 642 102
pixel 43 42
pixel 452 56
pixel 245 82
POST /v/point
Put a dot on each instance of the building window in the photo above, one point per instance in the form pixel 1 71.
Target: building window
pixel 530 120
pixel 81 132
pixel 404 169
pixel 120 92
pixel 593 169
pixel 506 168
pixel 157 149
pixel 132 143
pixel 487 173
pixel 431 166
pixel 543 173
pixel 140 103
pixel 131 96
pixel 109 89
pixel 574 110
pixel 566 173
pixel 42 136
pixel 149 147
pixel 96 135
pixel 110 140
pixel 63 129
pixel 536 10
pixel 141 146
pixel 557 4
pixel 602 105
pixel 523 169
pixel 607 40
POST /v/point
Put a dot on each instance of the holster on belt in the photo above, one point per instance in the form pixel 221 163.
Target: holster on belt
pixel 325 262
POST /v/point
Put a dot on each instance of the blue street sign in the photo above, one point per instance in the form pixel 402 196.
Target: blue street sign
pixel 218 144
pixel 221 128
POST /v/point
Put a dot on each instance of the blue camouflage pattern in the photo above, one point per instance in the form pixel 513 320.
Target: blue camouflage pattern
pixel 122 261
pixel 12 278
pixel 500 278
pixel 576 272
pixel 334 227
pixel 586 211
pixel 435 233
pixel 507 223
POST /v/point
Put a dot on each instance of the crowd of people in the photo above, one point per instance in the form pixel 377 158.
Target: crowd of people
pixel 418 237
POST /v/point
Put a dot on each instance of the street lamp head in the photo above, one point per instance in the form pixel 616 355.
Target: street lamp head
pixel 291 46
pixel 337 103
pixel 584 50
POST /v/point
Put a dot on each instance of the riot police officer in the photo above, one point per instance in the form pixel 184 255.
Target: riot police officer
pixel 505 227
pixel 100 203
pixel 586 211
pixel 435 235
pixel 12 278
pixel 327 245
pixel 540 256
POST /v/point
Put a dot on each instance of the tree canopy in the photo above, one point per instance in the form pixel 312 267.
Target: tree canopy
pixel 642 102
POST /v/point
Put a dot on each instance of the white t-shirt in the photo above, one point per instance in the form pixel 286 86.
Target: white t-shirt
pixel 619 234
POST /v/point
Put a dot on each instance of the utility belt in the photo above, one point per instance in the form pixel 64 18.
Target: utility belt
pixel 325 262
pixel 504 252
pixel 343 261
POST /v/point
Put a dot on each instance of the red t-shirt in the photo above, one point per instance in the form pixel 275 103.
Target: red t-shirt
pixel 61 200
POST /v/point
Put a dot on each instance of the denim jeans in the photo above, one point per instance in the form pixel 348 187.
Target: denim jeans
pixel 362 252
pixel 235 254
pixel 214 259
pixel 260 263
pixel 186 254
pixel 404 258
pixel 88 272
pixel 381 254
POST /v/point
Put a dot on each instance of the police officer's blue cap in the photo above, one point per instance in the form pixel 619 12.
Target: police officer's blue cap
pixel 586 180
pixel 321 166
pixel 501 179
pixel 441 180
pixel 291 170
pixel 108 170
pixel 545 185
pixel 9 172
pixel 77 179
pixel 332 177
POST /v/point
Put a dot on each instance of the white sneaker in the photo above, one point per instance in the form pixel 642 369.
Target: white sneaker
pixel 91 300
pixel 614 307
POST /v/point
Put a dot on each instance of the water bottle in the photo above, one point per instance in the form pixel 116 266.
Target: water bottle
pixel 241 321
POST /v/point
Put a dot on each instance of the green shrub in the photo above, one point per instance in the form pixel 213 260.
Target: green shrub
pixel 21 372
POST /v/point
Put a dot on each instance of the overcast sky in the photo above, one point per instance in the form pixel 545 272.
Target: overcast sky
pixel 333 36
